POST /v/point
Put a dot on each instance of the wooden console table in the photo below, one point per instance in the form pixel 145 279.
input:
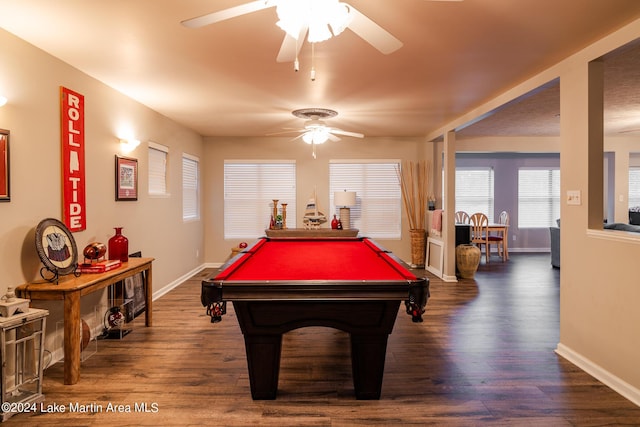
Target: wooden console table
pixel 70 289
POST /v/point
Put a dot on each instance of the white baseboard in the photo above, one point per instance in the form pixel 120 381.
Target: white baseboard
pixel 617 384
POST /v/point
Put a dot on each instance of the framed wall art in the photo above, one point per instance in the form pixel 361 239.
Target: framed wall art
pixel 5 193
pixel 126 178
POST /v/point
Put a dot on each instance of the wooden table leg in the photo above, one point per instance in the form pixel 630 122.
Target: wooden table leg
pixel 148 295
pixel 71 337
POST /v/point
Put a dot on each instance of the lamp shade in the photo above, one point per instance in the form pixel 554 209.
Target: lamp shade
pixel 344 198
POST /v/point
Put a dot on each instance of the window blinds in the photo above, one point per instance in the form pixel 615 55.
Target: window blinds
pixel 249 190
pixel 190 187
pixel 378 209
pixel 538 197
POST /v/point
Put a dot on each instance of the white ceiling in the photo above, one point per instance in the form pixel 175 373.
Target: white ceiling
pixel 223 79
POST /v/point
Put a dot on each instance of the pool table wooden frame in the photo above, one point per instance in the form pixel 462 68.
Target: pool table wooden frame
pixel 268 308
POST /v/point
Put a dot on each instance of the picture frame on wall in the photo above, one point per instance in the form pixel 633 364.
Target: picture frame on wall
pixel 126 178
pixel 5 188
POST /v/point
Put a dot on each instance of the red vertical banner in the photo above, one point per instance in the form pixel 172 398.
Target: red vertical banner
pixel 73 169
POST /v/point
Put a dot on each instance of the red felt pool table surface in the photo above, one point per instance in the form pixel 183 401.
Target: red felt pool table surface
pixel 315 259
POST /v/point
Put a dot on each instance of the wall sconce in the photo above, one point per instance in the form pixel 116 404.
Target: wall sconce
pixel 3 100
pixel 128 145
pixel 344 199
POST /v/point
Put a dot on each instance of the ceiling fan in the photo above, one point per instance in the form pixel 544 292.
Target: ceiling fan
pixel 306 21
pixel 315 130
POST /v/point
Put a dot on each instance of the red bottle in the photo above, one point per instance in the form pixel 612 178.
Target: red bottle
pixel 334 223
pixel 119 246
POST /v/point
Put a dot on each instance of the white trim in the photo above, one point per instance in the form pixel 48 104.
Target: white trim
pixel 158 147
pixel 159 293
pixel 191 157
pixel 436 267
pixel 399 161
pixel 250 161
pixel 615 383
pixel 615 235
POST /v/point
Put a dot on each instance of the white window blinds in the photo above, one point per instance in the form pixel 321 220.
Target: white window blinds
pixel 634 186
pixel 474 191
pixel 538 197
pixel 249 190
pixel 378 209
pixel 157 169
pixel 190 187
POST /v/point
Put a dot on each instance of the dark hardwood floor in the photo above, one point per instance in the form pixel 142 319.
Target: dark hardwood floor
pixel 483 356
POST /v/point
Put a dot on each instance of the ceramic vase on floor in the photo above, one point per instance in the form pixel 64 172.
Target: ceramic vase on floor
pixel 119 246
pixel 467 260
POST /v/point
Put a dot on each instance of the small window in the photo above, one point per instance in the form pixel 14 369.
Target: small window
pixel 158 169
pixel 538 197
pixel 190 187
pixel 634 186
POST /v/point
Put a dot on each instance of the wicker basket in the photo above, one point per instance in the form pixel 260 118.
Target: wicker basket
pixel 418 247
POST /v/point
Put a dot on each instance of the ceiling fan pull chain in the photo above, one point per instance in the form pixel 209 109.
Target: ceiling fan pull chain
pixel 296 63
pixel 313 62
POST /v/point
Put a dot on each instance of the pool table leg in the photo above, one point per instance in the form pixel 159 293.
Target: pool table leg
pixel 368 354
pixel 263 361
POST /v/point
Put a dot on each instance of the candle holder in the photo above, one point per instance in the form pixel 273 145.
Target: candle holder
pixel 284 215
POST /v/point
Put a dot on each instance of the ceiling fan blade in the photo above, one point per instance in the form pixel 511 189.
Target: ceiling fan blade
pixel 373 33
pixel 345 133
pixel 291 47
pixel 285 132
pixel 333 138
pixel 225 14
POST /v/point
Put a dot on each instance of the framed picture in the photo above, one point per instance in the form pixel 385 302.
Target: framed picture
pixel 134 289
pixel 4 166
pixel 126 178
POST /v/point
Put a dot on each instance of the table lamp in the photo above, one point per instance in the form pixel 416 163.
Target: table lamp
pixel 344 199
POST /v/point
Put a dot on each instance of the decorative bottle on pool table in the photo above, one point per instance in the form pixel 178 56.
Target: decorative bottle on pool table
pixel 119 246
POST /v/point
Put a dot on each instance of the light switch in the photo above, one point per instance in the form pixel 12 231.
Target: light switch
pixel 573 197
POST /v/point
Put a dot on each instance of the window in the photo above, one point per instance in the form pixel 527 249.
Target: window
pixel 158 169
pixel 190 187
pixel 249 190
pixel 474 190
pixel 378 209
pixel 538 197
pixel 634 186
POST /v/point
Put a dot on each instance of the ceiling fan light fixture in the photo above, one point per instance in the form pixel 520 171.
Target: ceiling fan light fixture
pixel 316 15
pixel 318 135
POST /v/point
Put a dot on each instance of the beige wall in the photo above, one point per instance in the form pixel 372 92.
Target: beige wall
pixel 30 79
pixel 310 173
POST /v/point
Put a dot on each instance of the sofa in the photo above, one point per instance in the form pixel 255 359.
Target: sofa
pixel 621 226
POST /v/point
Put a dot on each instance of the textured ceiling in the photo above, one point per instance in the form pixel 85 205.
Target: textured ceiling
pixel 223 79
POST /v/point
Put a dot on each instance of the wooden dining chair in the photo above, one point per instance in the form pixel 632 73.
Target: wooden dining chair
pixel 480 232
pixel 462 217
pixel 500 238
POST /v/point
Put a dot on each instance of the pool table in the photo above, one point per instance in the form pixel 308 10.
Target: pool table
pixel 281 284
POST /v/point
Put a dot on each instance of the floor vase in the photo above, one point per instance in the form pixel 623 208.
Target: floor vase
pixel 418 247
pixel 467 260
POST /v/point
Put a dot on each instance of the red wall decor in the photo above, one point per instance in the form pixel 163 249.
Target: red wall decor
pixel 73 170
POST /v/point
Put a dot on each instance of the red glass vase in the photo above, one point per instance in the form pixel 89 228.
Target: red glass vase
pixel 119 246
